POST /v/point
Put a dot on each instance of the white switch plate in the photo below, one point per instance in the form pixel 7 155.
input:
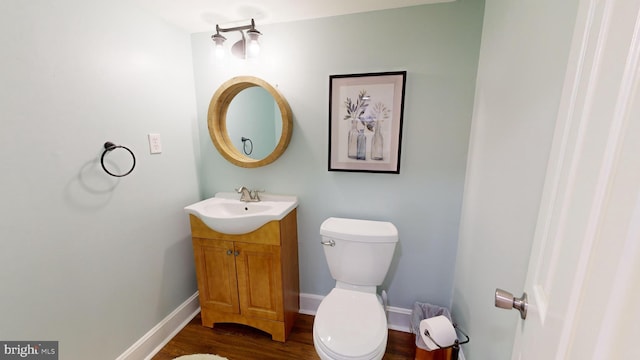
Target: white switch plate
pixel 155 145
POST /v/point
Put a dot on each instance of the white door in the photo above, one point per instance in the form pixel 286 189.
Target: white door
pixel 583 280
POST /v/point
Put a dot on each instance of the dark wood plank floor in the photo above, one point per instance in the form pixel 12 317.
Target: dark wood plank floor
pixel 239 342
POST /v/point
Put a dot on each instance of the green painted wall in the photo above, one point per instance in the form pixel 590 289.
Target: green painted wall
pixel 86 259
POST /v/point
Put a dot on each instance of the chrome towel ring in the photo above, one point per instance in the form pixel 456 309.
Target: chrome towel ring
pixel 108 147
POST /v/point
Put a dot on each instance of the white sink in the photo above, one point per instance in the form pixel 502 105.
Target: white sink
pixel 225 213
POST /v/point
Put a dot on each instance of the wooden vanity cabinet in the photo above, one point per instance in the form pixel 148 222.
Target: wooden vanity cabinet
pixel 249 279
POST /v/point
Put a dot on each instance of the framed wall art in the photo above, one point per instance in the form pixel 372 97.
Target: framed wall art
pixel 365 121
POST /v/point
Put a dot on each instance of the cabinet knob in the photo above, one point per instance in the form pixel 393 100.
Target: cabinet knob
pixel 229 252
pixel 236 253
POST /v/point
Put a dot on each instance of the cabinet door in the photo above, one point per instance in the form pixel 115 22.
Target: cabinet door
pixel 259 280
pixel 216 272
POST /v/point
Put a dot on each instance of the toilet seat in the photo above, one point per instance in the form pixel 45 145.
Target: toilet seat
pixel 350 325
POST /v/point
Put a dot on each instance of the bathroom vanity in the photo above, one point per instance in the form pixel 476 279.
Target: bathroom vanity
pixel 251 278
pixel 246 248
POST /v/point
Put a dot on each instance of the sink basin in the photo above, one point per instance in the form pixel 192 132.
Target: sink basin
pixel 225 213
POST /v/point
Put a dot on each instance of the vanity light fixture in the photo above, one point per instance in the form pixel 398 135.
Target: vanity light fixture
pixel 243 48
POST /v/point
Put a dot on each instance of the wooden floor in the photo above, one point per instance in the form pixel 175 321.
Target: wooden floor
pixel 239 342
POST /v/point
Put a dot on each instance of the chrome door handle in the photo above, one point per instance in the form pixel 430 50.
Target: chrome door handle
pixel 506 300
pixel 328 242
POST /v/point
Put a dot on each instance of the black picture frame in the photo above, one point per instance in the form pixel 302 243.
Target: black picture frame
pixel 365 121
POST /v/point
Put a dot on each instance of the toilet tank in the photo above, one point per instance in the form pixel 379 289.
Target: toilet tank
pixel 362 249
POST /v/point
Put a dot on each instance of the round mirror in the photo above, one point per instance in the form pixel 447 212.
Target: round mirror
pixel 250 122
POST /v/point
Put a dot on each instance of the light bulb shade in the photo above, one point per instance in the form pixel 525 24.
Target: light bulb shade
pixel 253 47
pixel 238 49
pixel 253 34
pixel 219 51
pixel 218 39
pixel 219 44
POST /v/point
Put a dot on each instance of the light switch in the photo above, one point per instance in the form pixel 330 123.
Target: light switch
pixel 155 145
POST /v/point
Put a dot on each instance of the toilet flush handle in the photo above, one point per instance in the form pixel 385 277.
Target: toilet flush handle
pixel 328 242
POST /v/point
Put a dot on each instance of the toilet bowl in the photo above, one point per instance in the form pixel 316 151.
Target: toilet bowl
pixel 351 323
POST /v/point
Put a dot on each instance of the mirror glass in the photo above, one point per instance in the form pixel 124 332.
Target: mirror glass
pixel 254 122
pixel 250 122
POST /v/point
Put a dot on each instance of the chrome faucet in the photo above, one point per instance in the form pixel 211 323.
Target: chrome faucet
pixel 247 195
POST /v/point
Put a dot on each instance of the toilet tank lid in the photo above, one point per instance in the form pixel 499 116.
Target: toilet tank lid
pixel 359 230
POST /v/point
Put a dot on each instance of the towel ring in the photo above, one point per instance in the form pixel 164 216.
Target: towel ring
pixel 244 145
pixel 109 146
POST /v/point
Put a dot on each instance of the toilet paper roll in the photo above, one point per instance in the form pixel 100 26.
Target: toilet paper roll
pixel 440 329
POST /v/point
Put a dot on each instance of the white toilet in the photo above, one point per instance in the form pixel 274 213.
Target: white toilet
pixel 351 323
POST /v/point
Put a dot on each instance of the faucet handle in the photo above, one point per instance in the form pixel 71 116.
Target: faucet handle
pixel 241 189
pixel 255 194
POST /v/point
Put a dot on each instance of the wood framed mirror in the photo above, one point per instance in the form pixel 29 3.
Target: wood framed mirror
pixel 247 109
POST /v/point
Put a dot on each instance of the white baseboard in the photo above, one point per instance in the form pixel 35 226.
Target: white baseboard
pixel 398 319
pixel 309 303
pixel 156 338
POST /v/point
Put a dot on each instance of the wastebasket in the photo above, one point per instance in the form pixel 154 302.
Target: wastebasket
pixel 420 312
